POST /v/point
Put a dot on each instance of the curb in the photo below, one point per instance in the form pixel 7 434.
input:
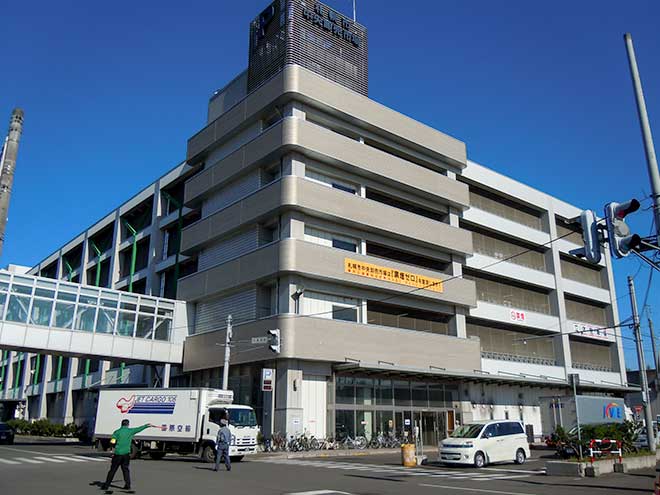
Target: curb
pixel 35 439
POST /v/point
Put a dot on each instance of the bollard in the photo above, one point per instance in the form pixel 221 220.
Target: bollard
pixel 408 455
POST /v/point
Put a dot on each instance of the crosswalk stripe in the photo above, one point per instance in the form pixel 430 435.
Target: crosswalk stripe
pixel 65 458
pixel 29 461
pixel 7 461
pixel 96 459
pixel 50 459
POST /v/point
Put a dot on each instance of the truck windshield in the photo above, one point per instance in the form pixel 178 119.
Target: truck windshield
pixel 467 431
pixel 242 417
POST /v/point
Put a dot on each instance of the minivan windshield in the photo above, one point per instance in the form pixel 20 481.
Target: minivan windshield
pixel 467 431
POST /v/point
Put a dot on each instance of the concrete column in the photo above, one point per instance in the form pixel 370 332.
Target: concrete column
pixel 47 363
pixel 562 344
pixel 67 403
pixel 167 370
pixel 288 398
pixel 85 260
pixel 104 366
pixel 152 287
pixel 114 260
pixel 24 383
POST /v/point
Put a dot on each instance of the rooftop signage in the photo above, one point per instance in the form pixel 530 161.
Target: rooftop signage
pixel 333 22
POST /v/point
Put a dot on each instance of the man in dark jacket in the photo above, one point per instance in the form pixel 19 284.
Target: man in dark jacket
pixel 123 438
pixel 222 445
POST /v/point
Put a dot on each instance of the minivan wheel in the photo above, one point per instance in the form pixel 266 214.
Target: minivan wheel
pixel 520 456
pixel 479 460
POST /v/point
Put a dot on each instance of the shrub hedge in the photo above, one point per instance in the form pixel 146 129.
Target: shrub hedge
pixel 43 428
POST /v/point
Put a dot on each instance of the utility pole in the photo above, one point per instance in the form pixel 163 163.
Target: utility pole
pixel 225 369
pixel 651 161
pixel 648 417
pixel 655 352
pixel 8 166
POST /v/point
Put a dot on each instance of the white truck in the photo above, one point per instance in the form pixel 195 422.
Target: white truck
pixel 189 420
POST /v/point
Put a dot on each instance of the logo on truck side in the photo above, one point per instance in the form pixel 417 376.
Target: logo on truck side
pixel 147 404
pixel 612 411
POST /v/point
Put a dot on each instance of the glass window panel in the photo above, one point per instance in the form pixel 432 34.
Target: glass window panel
pixel 3 301
pixel 85 318
pixel 344 424
pixel 18 308
pixel 5 277
pixel 4 286
pixel 129 302
pixel 365 424
pixel 23 280
pixel 64 315
pixel 21 289
pixel 384 422
pixel 165 311
pixel 345 391
pixel 419 394
pixel 345 245
pixel 46 284
pixel 44 293
pixel 40 313
pixel 87 298
pixel 108 303
pixel 145 327
pixel 147 306
pixel 66 296
pixel 106 321
pixel 126 323
pixel 344 313
pixel 364 391
pixel 163 328
pixel 401 393
pixel 384 392
pixel 436 395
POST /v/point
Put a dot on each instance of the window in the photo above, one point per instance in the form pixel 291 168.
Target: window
pixel 569 232
pixel 510 345
pixel 344 313
pixel 326 180
pixel 491 245
pixel 329 239
pixel 505 208
pixel 591 356
pixel 580 272
pixel 407 206
pixel 586 312
pixel 491 431
pixel 408 318
pixel 330 306
pixel 509 295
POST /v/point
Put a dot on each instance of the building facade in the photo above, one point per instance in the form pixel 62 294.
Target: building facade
pixel 409 284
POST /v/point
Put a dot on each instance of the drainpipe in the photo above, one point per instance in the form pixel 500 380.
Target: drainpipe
pixel 37 366
pixel 179 227
pixel 18 373
pixel 97 281
pixel 2 370
pixel 69 269
pixel 58 377
pixel 133 254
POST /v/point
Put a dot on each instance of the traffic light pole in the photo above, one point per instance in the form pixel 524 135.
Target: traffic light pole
pixel 648 417
pixel 651 161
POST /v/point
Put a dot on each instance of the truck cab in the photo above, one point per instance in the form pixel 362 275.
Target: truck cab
pixel 243 427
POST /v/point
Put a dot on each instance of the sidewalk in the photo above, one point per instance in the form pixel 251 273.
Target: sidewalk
pixel 431 453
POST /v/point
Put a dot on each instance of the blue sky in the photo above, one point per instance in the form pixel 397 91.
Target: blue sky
pixel 539 91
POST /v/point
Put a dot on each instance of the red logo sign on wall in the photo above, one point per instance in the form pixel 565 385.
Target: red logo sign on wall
pixel 518 316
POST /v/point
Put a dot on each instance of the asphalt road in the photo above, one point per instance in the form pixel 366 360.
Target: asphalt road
pixel 74 469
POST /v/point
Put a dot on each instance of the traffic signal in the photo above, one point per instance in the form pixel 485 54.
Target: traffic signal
pixel 590 236
pixel 274 337
pixel 619 236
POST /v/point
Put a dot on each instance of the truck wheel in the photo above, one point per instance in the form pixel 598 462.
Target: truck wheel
pixel 135 451
pixel 236 458
pixel 479 460
pixel 208 454
pixel 156 456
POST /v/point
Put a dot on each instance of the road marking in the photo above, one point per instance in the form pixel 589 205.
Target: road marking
pixel 50 459
pixel 67 458
pixel 538 471
pixel 7 461
pixel 320 492
pixel 90 458
pixel 29 461
pixel 481 490
pixel 502 477
pixel 27 451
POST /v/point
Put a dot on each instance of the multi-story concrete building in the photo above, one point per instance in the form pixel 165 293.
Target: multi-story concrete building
pixel 408 283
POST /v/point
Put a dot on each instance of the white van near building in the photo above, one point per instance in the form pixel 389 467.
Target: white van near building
pixel 485 443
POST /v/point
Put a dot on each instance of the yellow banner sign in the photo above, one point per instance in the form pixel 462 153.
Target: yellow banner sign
pixel 391 275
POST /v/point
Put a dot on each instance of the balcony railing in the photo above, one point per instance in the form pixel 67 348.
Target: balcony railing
pixel 593 367
pixel 502 356
pixel 56 304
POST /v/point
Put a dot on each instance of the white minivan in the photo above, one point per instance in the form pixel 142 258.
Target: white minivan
pixel 482 443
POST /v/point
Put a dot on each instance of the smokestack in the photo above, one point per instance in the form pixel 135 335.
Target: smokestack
pixel 8 167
